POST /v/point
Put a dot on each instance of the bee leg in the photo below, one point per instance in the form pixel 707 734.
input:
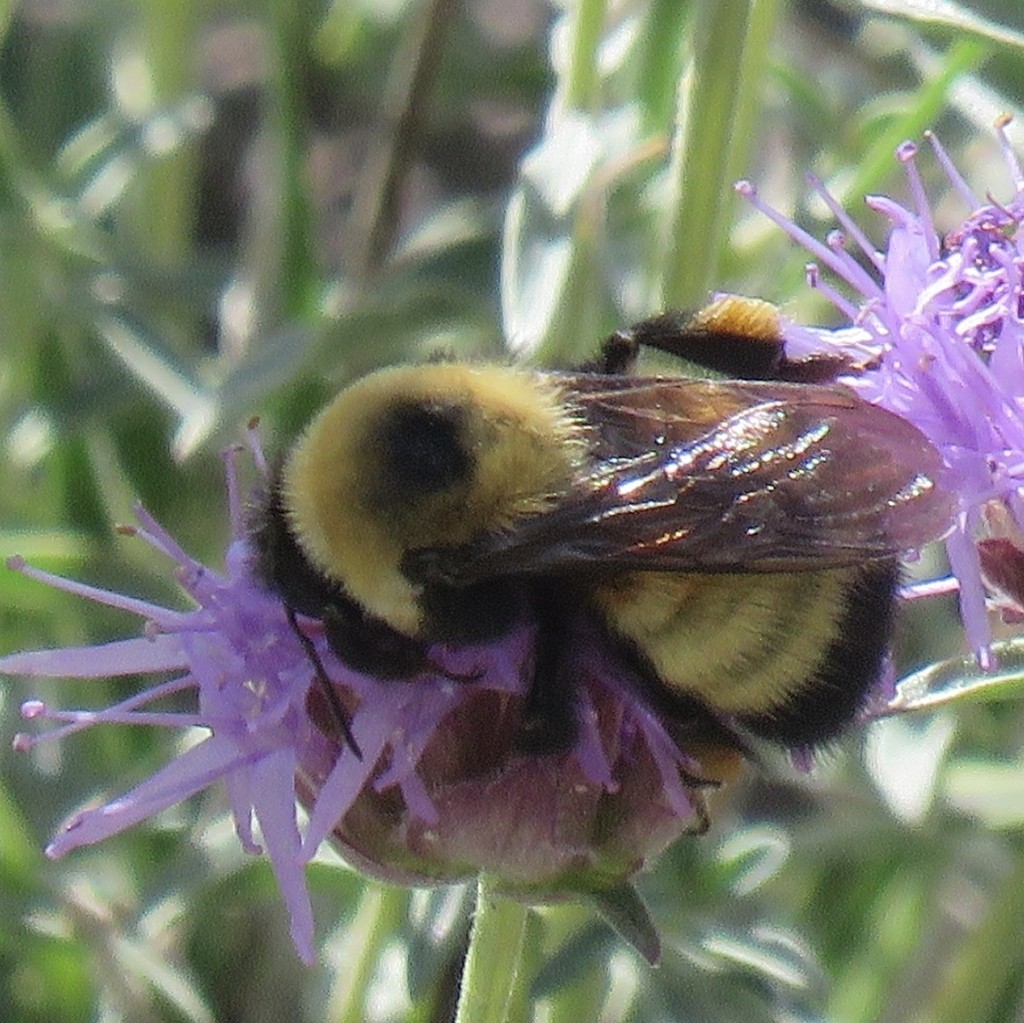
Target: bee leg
pixel 702 822
pixel 549 722
pixel 618 356
pixel 734 337
pixel 462 677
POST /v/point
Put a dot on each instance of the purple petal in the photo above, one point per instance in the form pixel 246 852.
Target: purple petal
pixel 372 729
pixel 239 786
pixel 161 652
pixel 183 777
pixel 274 802
pixel 165 616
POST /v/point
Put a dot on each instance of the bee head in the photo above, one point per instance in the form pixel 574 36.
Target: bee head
pixel 423 456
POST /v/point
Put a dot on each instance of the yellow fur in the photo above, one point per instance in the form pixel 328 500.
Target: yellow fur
pixel 743 643
pixel 746 317
pixel 526 451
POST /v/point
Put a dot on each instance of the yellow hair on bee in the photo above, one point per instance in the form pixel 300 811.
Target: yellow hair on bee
pixel 750 318
pixel 356 518
pixel 730 638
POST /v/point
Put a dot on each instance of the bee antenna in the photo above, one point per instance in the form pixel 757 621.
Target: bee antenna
pixel 341 716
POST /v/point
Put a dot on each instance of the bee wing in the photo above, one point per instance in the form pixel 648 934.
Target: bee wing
pixel 698 476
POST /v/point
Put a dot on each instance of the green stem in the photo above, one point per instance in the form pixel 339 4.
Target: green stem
pixel 714 125
pixel 661 46
pixel 377 918
pixel 165 208
pixel 586 29
pixel 493 979
pixel 406 106
pixel 291 26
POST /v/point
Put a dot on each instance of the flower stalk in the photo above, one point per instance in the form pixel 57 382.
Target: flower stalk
pixel 493 979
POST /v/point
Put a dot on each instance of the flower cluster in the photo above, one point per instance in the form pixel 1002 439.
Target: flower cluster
pixel 438 790
pixel 937 327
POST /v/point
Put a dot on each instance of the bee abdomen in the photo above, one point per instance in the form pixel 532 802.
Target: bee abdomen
pixel 830 699
pixel 789 654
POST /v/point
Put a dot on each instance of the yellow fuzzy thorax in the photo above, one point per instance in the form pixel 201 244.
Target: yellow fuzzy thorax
pixel 525 448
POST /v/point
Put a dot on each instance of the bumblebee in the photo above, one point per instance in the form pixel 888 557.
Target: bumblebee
pixel 736 540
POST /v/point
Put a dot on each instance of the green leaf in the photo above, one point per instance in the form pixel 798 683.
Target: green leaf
pixel 992 791
pixel 914 114
pixel 625 911
pixel 963 679
pixel 943 12
pixel 551 274
pixel 904 757
pixel 573 959
pixel 767 952
pixel 194 405
pixel 753 856
pixel 141 959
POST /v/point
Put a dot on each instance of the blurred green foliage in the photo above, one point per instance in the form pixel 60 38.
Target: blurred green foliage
pixel 210 211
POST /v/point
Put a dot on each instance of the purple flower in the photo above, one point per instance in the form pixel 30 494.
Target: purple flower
pixel 440 791
pixel 936 334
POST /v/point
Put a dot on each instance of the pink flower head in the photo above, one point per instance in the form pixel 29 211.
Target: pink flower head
pixel 936 330
pixel 439 791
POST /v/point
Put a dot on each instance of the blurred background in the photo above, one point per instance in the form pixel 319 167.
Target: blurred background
pixel 219 210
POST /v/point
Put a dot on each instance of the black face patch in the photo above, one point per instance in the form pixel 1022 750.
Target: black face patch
pixel 423 450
